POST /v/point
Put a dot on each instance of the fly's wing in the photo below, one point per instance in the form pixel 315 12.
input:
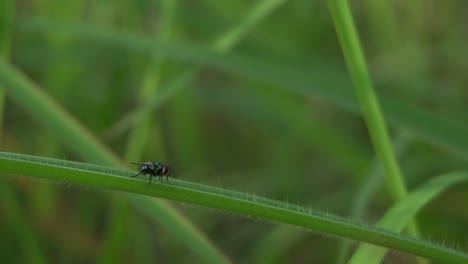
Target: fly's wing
pixel 138 163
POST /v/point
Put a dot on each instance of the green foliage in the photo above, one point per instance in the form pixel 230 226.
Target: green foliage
pixel 253 98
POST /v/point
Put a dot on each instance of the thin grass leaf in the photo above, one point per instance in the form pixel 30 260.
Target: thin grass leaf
pixel 370 105
pixel 402 212
pixel 199 194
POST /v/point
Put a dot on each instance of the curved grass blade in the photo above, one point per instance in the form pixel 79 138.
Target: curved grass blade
pixel 53 116
pixel 198 194
pixel 402 212
pixel 50 114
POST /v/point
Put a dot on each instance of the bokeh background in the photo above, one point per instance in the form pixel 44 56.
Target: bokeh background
pixel 227 128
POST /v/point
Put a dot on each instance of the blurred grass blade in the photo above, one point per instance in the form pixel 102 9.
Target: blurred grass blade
pixel 148 205
pixel 51 115
pixel 365 194
pixel 150 88
pixel 29 243
pixel 153 103
pixel 233 36
pixel 198 194
pixel 7 10
pixel 115 235
pixel 269 250
pixel 369 102
pixel 172 221
pixel 222 44
pixel 370 105
pixel 152 97
pixel 326 81
pixel 402 212
pixel 139 138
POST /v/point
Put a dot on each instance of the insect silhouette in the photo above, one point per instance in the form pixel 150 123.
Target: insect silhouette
pixel 153 168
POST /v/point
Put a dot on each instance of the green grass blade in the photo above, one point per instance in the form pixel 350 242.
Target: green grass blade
pixel 50 114
pixel 6 18
pixel 187 192
pixel 357 66
pixel 402 212
pixel 354 56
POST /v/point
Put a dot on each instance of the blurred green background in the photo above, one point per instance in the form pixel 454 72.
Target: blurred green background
pixel 228 126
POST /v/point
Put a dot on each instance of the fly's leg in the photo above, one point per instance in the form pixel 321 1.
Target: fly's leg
pixel 136 175
pixel 167 178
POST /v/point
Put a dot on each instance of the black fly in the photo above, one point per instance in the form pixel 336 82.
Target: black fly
pixel 153 168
